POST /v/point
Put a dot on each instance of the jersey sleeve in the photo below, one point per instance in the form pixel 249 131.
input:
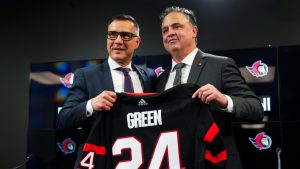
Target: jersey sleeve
pixel 214 152
pixel 95 152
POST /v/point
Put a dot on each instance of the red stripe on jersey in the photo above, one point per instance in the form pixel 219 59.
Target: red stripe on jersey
pixel 211 133
pixel 222 156
pixel 97 149
pixel 140 94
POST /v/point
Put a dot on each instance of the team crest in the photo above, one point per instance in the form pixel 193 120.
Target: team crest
pixel 67 80
pixel 261 141
pixel 67 146
pixel 258 69
pixel 159 71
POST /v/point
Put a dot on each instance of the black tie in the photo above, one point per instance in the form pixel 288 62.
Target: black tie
pixel 128 87
pixel 178 68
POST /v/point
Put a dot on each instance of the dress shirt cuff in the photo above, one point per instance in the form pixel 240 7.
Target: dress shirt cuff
pixel 230 105
pixel 89 108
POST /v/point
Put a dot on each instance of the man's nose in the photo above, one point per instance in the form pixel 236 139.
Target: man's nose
pixel 171 32
pixel 119 39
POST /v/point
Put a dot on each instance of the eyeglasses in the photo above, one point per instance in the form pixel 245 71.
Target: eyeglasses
pixel 125 36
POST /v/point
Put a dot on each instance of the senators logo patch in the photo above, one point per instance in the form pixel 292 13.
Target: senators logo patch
pixel 67 80
pixel 258 69
pixel 67 146
pixel 159 71
pixel 261 141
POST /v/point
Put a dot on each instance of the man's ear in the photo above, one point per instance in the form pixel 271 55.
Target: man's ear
pixel 195 31
pixel 138 41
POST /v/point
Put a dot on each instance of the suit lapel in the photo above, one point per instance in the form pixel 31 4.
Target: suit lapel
pixel 196 68
pixel 142 75
pixel 163 78
pixel 107 79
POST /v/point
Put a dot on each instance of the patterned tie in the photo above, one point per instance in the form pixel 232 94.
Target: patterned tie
pixel 128 87
pixel 178 68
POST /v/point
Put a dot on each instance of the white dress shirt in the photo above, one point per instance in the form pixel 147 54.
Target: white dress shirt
pixel 118 81
pixel 118 77
pixel 185 71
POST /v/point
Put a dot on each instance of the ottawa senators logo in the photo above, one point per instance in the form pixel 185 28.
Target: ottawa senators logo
pixel 67 80
pixel 159 71
pixel 258 69
pixel 67 146
pixel 261 141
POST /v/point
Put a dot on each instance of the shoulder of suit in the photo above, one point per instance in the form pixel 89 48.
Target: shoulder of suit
pixel 216 58
pixel 143 68
pixel 89 69
pixel 208 55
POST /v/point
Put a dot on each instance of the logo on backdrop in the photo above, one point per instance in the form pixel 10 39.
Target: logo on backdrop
pixel 67 80
pixel 159 71
pixel 261 141
pixel 258 69
pixel 67 146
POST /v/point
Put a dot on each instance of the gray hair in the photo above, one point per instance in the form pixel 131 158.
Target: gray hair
pixel 187 12
pixel 125 17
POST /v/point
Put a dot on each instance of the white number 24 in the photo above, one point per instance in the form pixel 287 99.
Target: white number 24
pixel 167 143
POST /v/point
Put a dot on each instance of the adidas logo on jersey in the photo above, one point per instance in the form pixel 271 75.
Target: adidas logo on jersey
pixel 142 102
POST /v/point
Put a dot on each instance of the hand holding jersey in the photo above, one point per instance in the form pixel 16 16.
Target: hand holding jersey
pixel 223 87
pixel 167 130
pixel 208 93
pixel 104 101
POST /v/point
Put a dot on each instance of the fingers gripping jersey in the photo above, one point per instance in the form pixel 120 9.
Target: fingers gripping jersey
pixel 158 131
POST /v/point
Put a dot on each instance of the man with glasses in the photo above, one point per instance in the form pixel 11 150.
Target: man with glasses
pixel 93 89
pixel 222 86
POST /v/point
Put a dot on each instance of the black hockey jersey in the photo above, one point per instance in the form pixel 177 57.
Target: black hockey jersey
pixel 156 131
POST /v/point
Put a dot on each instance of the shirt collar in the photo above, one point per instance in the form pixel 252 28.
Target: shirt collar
pixel 113 65
pixel 188 60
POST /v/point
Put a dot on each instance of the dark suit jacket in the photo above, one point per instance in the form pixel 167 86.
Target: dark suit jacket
pixel 88 83
pixel 223 73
